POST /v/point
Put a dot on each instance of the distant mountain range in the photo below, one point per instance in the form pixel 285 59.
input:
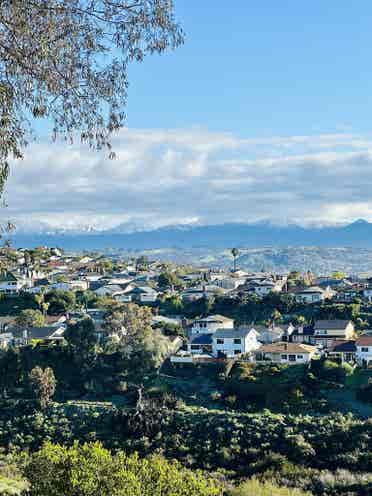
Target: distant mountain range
pixel 355 235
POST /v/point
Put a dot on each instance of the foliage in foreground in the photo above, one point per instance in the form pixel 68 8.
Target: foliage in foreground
pixel 90 469
pixel 328 455
pixel 255 488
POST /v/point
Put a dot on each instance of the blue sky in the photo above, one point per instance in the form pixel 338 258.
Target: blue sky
pixel 261 68
pixel 264 114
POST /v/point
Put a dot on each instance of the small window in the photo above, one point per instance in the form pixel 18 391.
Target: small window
pixel 195 347
pixel 365 349
pixel 237 341
pixel 220 341
pixel 284 357
pixel 292 358
pixel 300 357
pixel 237 352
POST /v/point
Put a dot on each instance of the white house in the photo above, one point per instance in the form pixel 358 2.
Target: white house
pixel 197 292
pixel 109 290
pixel 71 285
pixel 9 283
pixel 234 342
pixel 263 288
pixel 210 324
pixel 367 293
pixel 141 294
pixel 273 333
pixel 229 283
pixel 364 350
pixel 312 294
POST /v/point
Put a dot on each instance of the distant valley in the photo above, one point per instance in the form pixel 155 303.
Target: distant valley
pixel 280 248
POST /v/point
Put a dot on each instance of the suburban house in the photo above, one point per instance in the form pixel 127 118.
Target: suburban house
pixel 228 283
pixel 200 344
pixel 313 294
pixel 109 290
pixel 285 353
pixel 345 351
pixel 273 333
pixel 46 333
pixel 70 285
pixel 141 294
pixel 364 350
pixel 261 287
pixel 367 293
pixel 328 331
pixel 10 283
pixel 210 324
pixel 303 334
pixel 197 292
pixel 234 342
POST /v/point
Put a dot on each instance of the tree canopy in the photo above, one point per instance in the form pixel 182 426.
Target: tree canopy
pixel 30 318
pixel 67 61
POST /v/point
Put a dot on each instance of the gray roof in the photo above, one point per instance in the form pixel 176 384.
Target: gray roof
pixel 331 324
pixel 41 332
pixel 344 347
pixel 263 328
pixel 214 318
pixel 201 339
pixel 240 332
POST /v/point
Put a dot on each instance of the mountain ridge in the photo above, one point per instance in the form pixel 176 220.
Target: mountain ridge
pixel 355 234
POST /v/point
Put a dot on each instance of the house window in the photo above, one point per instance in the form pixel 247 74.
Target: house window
pixel 237 352
pixel 195 347
pixel 365 349
pixel 284 357
pixel 220 341
pixel 300 357
pixel 237 341
pixel 292 358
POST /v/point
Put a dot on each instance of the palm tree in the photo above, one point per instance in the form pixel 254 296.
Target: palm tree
pixel 235 254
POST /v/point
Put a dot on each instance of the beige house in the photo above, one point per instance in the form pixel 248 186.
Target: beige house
pixel 326 332
pixel 285 353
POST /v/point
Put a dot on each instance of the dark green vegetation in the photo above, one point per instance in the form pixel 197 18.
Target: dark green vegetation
pixel 330 454
pixel 208 418
pixel 90 469
pixel 278 425
pixel 275 306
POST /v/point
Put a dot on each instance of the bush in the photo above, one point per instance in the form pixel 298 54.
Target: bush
pixel 90 470
pixel 255 488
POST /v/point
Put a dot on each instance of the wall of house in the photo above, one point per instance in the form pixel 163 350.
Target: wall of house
pixel 231 348
pixel 300 358
pixel 309 298
pixel 365 355
pixel 148 298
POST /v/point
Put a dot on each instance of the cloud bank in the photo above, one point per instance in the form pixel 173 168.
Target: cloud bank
pixel 163 177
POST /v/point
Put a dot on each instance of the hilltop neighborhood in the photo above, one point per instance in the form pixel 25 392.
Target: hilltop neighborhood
pixel 97 283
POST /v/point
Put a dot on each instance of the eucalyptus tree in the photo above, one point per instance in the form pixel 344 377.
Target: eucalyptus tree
pixel 67 61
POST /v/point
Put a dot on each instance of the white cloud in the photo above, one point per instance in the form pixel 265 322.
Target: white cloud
pixel 178 176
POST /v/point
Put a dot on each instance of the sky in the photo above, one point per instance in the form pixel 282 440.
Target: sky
pixel 265 114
